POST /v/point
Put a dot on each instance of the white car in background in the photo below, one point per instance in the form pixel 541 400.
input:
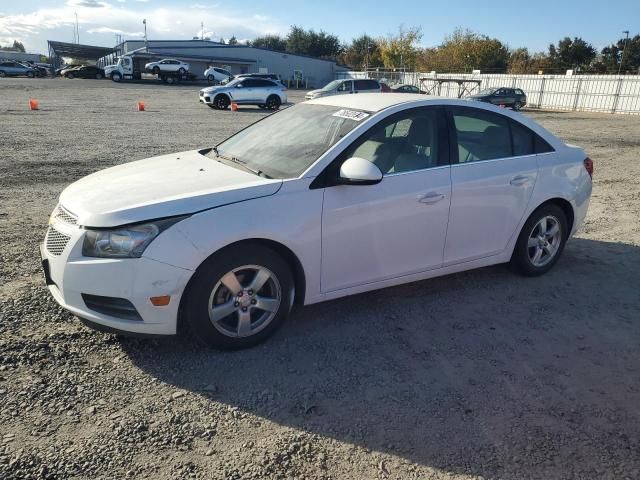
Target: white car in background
pixel 217 75
pixel 267 94
pixel 327 198
pixel 167 65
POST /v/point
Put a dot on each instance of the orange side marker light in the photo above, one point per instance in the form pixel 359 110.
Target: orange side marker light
pixel 161 301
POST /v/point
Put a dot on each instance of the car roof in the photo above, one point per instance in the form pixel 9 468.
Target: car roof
pixel 372 102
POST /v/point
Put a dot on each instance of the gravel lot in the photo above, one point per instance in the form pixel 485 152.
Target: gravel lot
pixel 475 375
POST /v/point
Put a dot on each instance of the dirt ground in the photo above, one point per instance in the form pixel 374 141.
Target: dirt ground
pixel 482 374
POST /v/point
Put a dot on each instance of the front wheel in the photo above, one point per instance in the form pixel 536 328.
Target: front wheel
pixel 116 77
pixel 30 74
pixel 156 70
pixel 182 71
pixel 222 102
pixel 541 241
pixel 98 76
pixel 70 75
pixel 239 297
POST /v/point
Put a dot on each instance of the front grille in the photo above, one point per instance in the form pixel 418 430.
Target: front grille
pixel 112 306
pixel 56 241
pixel 64 216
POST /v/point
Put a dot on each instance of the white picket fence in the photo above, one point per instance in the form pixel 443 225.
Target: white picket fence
pixel 585 93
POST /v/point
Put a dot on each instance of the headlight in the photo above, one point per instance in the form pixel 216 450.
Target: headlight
pixel 124 242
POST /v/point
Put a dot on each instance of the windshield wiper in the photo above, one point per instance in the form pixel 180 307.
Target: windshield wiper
pixel 242 164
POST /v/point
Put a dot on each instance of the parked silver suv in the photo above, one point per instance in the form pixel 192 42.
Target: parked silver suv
pixel 245 91
pixel 341 87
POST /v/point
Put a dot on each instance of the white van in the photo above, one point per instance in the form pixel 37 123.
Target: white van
pixel 341 87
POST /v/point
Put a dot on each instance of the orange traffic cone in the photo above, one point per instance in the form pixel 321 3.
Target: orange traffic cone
pixel 33 104
pixel 234 107
pixel 140 107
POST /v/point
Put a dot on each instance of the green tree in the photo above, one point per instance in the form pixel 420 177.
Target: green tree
pixel 572 54
pixel 611 56
pixel 232 41
pixel 272 42
pixel 363 52
pixel 312 43
pixel 465 50
pixel 16 47
pixel 400 50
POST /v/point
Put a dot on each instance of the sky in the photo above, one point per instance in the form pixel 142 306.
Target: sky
pixel 519 24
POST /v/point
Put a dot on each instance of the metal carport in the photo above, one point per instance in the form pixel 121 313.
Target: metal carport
pixel 57 50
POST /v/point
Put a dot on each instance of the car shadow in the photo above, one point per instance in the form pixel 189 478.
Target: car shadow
pixel 482 373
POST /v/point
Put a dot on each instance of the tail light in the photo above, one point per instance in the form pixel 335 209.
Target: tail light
pixel 588 165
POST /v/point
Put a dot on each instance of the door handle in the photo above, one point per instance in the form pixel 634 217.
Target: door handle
pixel 431 197
pixel 519 180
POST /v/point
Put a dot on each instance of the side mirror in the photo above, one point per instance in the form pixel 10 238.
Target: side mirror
pixel 358 171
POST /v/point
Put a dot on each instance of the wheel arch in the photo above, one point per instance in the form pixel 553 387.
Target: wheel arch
pixel 566 207
pixel 297 270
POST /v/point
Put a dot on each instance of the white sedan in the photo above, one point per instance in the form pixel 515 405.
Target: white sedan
pixel 328 198
pixel 167 65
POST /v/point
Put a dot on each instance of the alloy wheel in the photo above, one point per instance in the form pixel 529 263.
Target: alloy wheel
pixel 544 241
pixel 244 301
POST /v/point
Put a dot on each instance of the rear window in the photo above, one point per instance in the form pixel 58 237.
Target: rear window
pixel 519 92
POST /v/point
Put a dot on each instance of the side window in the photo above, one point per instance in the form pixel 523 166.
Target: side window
pixel 264 83
pixel 481 135
pixel 519 92
pixel 522 140
pixel 345 86
pixel 540 145
pixel 365 85
pixel 407 141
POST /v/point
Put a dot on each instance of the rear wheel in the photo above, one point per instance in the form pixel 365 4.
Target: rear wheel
pixel 182 71
pixel 2 74
pixel 98 76
pixel 541 241
pixel 517 106
pixel 222 102
pixel 210 79
pixel 116 77
pixel 170 80
pixel 30 74
pixel 273 102
pixel 239 297
pixel 156 70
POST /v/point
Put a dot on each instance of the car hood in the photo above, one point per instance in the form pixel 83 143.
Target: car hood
pixel 212 89
pixel 318 93
pixel 157 187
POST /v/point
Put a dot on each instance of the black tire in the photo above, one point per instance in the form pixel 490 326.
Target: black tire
pixel 156 70
pixel 70 75
pixel 2 74
pixel 273 102
pixel 517 106
pixel 30 75
pixel 521 260
pixel 221 102
pixel 210 79
pixel 170 80
pixel 182 71
pixel 205 285
pixel 98 76
pixel 116 77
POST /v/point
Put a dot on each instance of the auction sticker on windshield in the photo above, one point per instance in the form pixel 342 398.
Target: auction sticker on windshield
pixel 351 114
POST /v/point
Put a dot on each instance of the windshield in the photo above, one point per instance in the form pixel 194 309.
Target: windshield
pixel 285 144
pixel 487 91
pixel 331 85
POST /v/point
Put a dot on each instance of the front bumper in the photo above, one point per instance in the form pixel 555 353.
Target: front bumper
pixel 69 275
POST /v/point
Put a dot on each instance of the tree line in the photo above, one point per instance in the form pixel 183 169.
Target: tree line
pixel 461 51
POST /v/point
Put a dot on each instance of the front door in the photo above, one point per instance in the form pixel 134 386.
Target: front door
pixel 398 226
pixel 491 186
pixel 345 87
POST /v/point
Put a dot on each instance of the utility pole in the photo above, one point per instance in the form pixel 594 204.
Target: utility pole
pixel 624 47
pixel 77 29
pixel 146 43
pixel 201 30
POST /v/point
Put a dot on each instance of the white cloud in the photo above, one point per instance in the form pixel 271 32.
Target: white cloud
pixel 99 22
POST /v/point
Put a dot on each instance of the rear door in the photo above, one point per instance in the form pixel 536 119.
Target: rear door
pixel 492 181
pixel 365 86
